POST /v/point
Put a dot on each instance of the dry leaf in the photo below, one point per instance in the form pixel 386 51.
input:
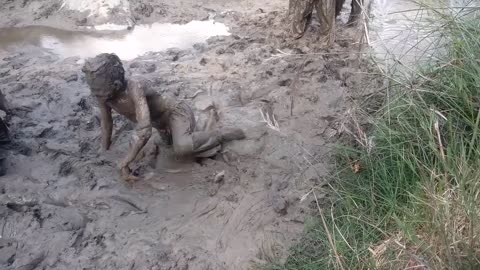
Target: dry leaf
pixel 355 166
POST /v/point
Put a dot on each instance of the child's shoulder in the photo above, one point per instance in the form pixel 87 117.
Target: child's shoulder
pixel 139 82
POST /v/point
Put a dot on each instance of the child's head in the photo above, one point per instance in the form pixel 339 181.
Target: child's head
pixel 105 75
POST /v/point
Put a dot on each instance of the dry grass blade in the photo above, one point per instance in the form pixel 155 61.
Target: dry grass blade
pixel 269 117
pixel 329 235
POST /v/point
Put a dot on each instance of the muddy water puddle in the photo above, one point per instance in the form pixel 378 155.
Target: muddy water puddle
pixel 126 44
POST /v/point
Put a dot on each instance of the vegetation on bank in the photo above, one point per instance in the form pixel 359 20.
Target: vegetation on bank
pixel 412 199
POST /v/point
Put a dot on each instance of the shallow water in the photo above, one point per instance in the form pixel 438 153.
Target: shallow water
pixel 400 31
pixel 407 33
pixel 126 44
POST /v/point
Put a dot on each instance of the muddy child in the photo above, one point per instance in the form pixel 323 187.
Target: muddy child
pixel 133 99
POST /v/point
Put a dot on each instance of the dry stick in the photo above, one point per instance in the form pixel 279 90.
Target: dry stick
pixel 129 202
pixel 329 236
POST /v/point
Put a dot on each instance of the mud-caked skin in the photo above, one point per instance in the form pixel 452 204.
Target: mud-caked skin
pixel 301 12
pixel 134 100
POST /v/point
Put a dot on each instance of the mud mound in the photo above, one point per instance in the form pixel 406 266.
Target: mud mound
pixel 63 206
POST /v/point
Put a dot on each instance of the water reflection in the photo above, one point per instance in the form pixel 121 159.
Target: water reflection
pixel 127 44
pixel 405 31
pixel 401 30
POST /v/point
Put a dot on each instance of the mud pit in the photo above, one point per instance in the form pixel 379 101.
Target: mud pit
pixel 62 203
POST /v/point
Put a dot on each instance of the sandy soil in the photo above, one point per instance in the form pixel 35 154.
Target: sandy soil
pixel 62 205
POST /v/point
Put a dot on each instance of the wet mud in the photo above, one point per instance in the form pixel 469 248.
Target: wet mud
pixel 62 203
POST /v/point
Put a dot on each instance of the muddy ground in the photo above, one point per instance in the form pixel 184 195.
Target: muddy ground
pixel 63 205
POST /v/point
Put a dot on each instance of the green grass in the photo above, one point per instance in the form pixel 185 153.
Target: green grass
pixel 416 199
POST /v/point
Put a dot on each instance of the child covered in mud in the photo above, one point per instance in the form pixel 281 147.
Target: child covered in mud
pixel 133 99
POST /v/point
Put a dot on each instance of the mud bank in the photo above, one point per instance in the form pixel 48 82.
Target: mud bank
pixel 62 205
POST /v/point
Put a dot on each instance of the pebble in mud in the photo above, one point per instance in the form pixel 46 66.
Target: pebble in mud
pixel 219 177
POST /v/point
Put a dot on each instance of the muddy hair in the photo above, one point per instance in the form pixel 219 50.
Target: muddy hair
pixel 104 74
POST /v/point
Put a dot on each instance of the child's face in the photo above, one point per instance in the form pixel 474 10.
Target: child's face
pixel 100 86
pixel 105 75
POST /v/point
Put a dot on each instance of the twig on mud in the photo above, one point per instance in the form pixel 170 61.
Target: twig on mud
pixel 292 103
pixel 305 196
pixel 329 236
pixel 129 202
pixel 294 85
